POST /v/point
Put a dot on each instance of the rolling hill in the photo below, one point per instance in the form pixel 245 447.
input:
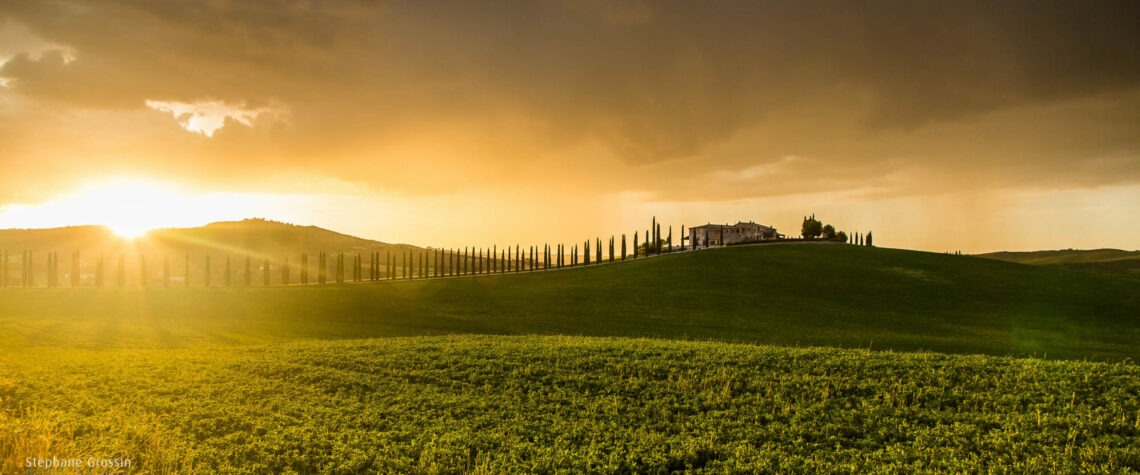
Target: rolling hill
pixel 1104 261
pixel 785 294
pixel 584 370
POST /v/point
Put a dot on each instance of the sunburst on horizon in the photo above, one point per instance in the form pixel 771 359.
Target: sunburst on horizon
pixel 130 207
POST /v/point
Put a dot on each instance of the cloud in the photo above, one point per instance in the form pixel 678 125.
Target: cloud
pixel 208 116
pixel 674 98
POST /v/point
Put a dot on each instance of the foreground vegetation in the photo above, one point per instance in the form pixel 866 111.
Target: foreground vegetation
pixel 566 405
pixel 590 370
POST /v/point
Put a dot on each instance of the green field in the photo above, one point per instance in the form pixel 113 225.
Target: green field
pixel 585 370
pixel 572 405
pixel 831 295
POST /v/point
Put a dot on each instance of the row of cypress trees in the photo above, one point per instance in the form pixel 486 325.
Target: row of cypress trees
pixel 339 267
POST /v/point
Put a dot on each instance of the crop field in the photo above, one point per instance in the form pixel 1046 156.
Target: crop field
pixel 571 405
pixel 779 359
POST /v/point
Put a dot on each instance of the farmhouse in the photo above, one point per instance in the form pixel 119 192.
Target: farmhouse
pixel 725 234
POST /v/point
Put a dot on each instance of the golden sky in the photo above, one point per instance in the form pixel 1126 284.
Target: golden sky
pixel 977 126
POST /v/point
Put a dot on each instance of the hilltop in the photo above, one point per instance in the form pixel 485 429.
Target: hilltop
pixel 1105 261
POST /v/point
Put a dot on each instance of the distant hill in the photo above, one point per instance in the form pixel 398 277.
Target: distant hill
pixel 1104 261
pixel 258 239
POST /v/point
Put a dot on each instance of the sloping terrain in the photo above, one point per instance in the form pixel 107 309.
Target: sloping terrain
pixel 1104 261
pixel 785 294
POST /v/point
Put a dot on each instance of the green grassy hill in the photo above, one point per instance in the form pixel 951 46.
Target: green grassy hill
pixel 1104 261
pixel 787 294
pixel 293 380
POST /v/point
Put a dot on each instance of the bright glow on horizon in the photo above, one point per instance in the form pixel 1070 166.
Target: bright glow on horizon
pixel 131 207
pixel 970 222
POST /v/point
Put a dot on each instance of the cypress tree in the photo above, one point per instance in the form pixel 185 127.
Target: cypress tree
pixel 598 251
pixel 635 233
pixel 586 252
pixel 623 250
pixel 265 272
pixel 670 238
pixel 74 269
pixel 321 277
pixel 653 228
pixel 285 272
pixel 682 237
pixel 870 240
pixel 612 248
pixel 304 268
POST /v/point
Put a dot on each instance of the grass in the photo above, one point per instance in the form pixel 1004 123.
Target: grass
pixel 818 295
pixel 487 404
pixel 788 368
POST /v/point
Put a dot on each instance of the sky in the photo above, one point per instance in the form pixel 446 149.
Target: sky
pixel 940 126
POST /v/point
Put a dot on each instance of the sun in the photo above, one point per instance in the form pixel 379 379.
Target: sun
pixel 132 206
pixel 129 207
pixel 129 231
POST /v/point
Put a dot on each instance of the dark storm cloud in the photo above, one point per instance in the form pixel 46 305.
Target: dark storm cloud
pixel 393 92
